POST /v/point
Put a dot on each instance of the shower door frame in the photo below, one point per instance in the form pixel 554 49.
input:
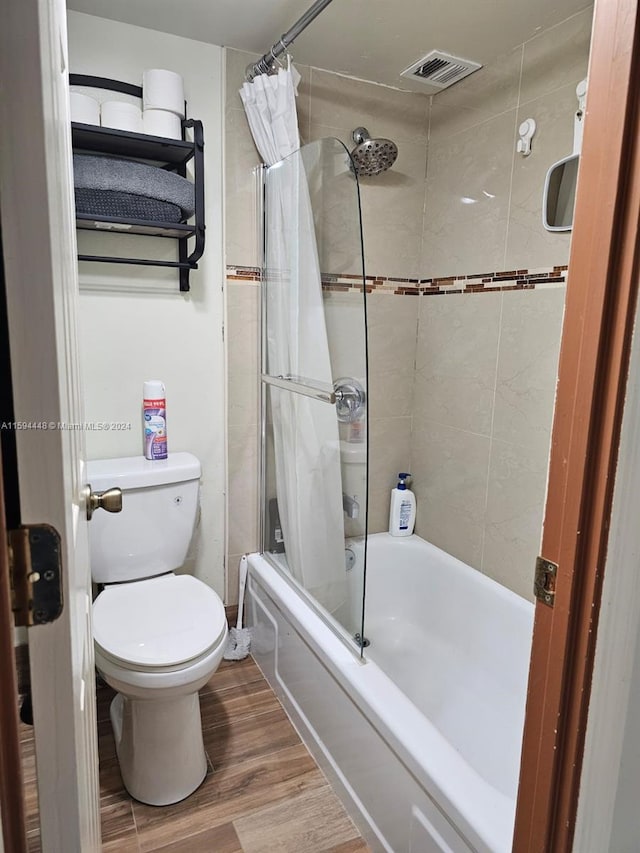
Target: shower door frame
pixel 265 382
pixel 599 319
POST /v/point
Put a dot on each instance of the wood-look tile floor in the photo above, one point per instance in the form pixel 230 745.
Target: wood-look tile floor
pixel 265 795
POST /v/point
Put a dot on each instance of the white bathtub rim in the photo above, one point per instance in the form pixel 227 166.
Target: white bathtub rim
pixel 490 828
pixel 484 580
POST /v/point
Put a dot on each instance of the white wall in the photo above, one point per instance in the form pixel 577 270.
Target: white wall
pixel 134 322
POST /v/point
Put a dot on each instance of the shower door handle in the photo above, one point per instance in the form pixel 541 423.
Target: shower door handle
pixel 350 399
pixel 300 385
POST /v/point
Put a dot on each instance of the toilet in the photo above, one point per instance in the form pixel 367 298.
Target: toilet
pixel 158 636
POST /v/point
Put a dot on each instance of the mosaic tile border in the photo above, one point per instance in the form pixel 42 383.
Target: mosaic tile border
pixel 235 273
pixel 487 282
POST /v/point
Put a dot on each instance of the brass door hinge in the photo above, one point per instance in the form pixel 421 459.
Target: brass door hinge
pixel 544 584
pixel 35 566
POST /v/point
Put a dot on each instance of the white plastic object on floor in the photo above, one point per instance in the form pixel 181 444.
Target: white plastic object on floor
pixel 239 642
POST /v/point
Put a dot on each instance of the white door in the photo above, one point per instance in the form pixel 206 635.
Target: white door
pixel 38 234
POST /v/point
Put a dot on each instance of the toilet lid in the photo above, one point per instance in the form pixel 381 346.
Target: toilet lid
pixel 160 622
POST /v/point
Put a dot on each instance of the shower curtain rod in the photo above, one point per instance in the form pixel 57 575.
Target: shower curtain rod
pixel 266 63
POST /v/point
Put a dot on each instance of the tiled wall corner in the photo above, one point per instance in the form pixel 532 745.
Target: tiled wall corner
pixel 485 384
pixel 527 362
pixel 392 203
pixel 392 325
pixel 556 56
pixel 527 239
pixel 516 488
pixel 484 391
pixel 525 392
pixel 456 361
pixel 490 92
pixel 467 198
pixel 389 453
pixel 553 64
pixel 483 199
pixel 449 467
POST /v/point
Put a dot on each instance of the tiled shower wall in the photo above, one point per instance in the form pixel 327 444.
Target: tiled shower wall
pixel 486 363
pixel 483 404
pixel 461 384
pixel 483 199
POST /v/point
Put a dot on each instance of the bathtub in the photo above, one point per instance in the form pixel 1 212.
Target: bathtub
pixel 420 738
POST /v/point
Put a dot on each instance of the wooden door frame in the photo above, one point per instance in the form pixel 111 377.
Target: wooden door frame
pixel 599 315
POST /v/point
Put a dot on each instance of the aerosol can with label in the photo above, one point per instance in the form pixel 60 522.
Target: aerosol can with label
pixel 154 420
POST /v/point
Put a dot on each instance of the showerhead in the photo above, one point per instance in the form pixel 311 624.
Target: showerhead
pixel 372 156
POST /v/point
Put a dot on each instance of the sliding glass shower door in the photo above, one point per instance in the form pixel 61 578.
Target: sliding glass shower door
pixel 314 382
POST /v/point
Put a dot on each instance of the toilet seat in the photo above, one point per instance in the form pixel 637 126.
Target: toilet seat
pixel 158 625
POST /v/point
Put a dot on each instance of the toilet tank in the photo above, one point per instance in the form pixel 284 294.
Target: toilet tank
pixel 159 506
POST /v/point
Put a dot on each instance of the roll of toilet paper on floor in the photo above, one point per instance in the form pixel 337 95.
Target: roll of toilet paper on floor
pixel 162 123
pixel 84 109
pixel 163 90
pixel 122 116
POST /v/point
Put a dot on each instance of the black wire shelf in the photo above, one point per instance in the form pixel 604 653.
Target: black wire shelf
pixel 117 225
pixel 172 154
pixel 137 146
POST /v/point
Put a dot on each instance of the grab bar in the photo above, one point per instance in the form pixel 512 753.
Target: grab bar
pixel 300 385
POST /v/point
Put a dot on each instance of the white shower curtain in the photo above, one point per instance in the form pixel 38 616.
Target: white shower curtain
pixel 306 441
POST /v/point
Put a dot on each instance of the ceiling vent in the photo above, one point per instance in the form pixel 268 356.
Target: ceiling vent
pixel 440 69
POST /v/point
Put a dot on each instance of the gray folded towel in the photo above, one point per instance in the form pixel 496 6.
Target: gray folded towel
pixel 130 176
pixel 125 205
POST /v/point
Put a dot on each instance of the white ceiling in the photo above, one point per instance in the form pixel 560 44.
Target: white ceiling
pixel 370 39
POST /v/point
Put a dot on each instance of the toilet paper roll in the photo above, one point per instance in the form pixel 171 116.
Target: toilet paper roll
pixel 122 116
pixel 84 109
pixel 163 90
pixel 162 123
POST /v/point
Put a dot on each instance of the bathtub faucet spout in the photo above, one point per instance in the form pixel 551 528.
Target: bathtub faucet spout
pixel 350 505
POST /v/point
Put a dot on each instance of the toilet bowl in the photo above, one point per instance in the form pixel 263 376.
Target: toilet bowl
pixel 157 642
pixel 159 639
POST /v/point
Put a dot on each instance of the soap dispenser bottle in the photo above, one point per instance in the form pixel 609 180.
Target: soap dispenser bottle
pixel 402 514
